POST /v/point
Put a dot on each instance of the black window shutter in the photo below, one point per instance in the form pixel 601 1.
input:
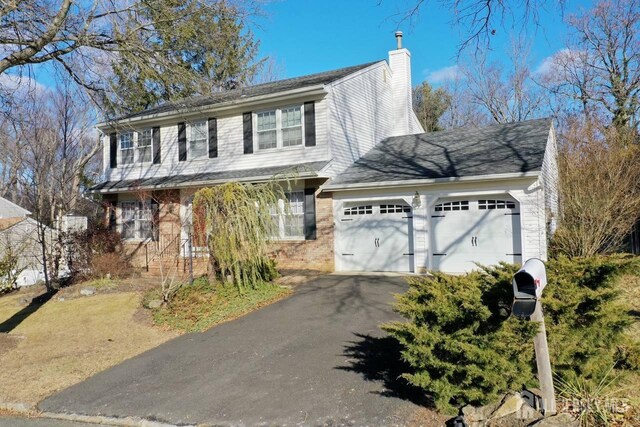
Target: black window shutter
pixel 182 141
pixel 113 150
pixel 155 132
pixel 310 124
pixel 155 223
pixel 213 138
pixel 247 133
pixel 309 214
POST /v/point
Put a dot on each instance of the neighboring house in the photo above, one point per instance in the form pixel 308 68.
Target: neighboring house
pixel 373 193
pixel 19 235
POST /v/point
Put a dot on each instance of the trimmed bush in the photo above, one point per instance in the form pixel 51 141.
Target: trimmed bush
pixel 464 347
pixel 460 341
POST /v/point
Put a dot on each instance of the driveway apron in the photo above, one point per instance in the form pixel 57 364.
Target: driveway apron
pixel 315 358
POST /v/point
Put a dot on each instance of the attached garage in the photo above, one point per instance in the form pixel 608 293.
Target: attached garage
pixel 375 236
pixel 448 201
pixel 466 231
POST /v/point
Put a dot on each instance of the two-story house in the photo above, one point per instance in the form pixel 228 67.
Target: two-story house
pixel 372 193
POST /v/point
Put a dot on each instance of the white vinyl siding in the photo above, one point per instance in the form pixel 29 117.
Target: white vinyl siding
pixel 198 134
pixel 230 150
pixel 127 151
pixel 144 146
pixel 360 115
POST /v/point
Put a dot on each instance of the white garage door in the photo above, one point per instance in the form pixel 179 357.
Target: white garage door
pixel 375 237
pixel 469 231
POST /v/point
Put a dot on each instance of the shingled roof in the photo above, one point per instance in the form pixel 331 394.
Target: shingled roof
pixel 301 170
pixel 502 148
pixel 252 91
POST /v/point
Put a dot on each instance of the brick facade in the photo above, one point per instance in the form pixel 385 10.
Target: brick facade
pixel 310 254
pixel 315 254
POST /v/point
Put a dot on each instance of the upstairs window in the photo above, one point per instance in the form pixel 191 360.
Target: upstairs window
pixel 144 146
pixel 126 148
pixel 280 128
pixel 267 132
pixel 291 126
pixel 198 133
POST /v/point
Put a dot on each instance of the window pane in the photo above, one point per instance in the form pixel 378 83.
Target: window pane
pixel 144 146
pixel 144 138
pixel 291 117
pixel 127 156
pixel 126 140
pixel 294 222
pixel 294 226
pixel 199 131
pixel 197 148
pixel 198 140
pixel 267 140
pixel 266 120
pixel 144 154
pixel 126 147
pixel 128 220
pixel 292 136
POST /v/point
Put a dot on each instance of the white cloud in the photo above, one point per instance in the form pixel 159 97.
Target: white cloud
pixel 17 84
pixel 545 66
pixel 560 58
pixel 442 75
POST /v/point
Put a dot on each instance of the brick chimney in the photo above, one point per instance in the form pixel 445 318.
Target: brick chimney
pixel 400 64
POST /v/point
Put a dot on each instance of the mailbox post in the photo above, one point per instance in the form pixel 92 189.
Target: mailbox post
pixel 528 284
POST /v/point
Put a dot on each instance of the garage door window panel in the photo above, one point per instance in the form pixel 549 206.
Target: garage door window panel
pixel 496 204
pixel 459 205
pixel 358 210
pixel 389 209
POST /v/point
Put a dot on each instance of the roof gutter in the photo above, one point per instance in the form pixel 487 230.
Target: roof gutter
pixel 218 107
pixel 431 181
pixel 254 179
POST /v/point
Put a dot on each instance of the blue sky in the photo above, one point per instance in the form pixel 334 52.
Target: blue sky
pixel 308 36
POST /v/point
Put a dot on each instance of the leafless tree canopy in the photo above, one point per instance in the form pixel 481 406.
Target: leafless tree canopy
pixel 599 71
pixel 50 151
pixel 599 191
pixel 507 94
pixel 482 19
pixel 149 40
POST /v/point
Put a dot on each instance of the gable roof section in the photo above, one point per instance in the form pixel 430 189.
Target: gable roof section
pixel 11 210
pixel 251 91
pixel 511 148
pixel 302 170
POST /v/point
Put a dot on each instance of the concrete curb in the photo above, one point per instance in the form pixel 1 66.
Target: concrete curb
pixel 18 407
pixel 112 421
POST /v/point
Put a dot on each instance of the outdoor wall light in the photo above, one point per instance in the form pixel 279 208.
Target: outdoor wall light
pixel 416 200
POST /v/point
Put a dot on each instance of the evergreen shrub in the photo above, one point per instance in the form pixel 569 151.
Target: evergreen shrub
pixel 464 347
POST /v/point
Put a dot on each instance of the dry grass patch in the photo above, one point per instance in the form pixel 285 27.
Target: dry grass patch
pixel 202 305
pixel 64 342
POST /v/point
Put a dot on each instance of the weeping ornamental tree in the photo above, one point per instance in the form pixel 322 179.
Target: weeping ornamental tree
pixel 238 221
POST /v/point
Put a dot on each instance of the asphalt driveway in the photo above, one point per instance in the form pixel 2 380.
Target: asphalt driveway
pixel 316 358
